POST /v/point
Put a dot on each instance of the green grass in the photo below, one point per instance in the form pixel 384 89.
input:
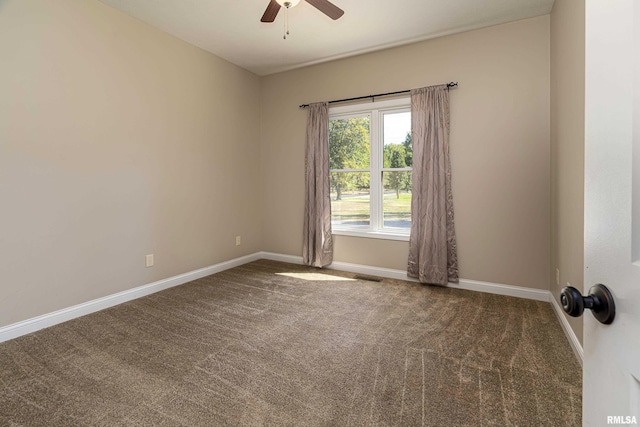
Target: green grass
pixel 355 207
pixel 397 207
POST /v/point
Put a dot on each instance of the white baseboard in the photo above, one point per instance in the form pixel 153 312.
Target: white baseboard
pixel 34 324
pixel 568 331
pixel 471 285
pixel 291 259
pixel 500 289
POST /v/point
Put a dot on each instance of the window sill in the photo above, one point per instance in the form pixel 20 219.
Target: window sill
pixel 386 235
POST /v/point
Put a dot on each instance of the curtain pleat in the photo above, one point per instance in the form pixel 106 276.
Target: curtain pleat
pixel 433 256
pixel 317 241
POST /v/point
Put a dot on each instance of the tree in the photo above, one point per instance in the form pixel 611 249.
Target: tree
pixel 395 157
pixel 408 148
pixel 349 148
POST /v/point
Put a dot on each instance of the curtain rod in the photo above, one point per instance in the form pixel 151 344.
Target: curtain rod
pixel 449 86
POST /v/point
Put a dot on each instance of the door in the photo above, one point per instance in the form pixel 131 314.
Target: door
pixel 611 392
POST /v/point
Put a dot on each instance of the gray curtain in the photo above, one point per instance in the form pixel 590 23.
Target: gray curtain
pixel 318 245
pixel 433 256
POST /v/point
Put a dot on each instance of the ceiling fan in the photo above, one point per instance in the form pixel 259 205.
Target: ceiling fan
pixel 324 6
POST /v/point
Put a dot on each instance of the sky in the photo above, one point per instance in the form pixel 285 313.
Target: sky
pixel 396 126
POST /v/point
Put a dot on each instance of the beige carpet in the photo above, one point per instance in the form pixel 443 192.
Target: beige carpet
pixel 251 346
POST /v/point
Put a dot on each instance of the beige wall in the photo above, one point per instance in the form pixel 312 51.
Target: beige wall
pixel 116 141
pixel 567 147
pixel 499 138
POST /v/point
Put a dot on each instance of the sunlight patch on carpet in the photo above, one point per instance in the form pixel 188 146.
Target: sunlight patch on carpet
pixel 315 276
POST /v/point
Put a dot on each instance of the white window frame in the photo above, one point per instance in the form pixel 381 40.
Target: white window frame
pixel 375 110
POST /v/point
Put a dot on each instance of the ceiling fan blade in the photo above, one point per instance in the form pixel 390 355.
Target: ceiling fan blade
pixel 328 8
pixel 271 12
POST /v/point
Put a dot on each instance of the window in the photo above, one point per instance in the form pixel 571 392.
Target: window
pixel 370 160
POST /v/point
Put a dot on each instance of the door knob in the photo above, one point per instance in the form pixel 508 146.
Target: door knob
pixel 599 301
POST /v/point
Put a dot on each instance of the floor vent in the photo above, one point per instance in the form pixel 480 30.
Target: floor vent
pixel 368 278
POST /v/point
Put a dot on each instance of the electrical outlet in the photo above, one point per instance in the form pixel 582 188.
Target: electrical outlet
pixel 148 260
pixel 558 276
pixel 238 240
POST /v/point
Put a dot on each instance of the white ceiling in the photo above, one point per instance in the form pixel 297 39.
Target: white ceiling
pixel 232 29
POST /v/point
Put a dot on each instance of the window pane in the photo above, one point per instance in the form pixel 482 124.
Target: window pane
pixel 349 143
pixel 350 199
pixel 396 204
pixel 398 152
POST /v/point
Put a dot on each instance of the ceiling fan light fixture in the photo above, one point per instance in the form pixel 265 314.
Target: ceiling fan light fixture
pixel 288 3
